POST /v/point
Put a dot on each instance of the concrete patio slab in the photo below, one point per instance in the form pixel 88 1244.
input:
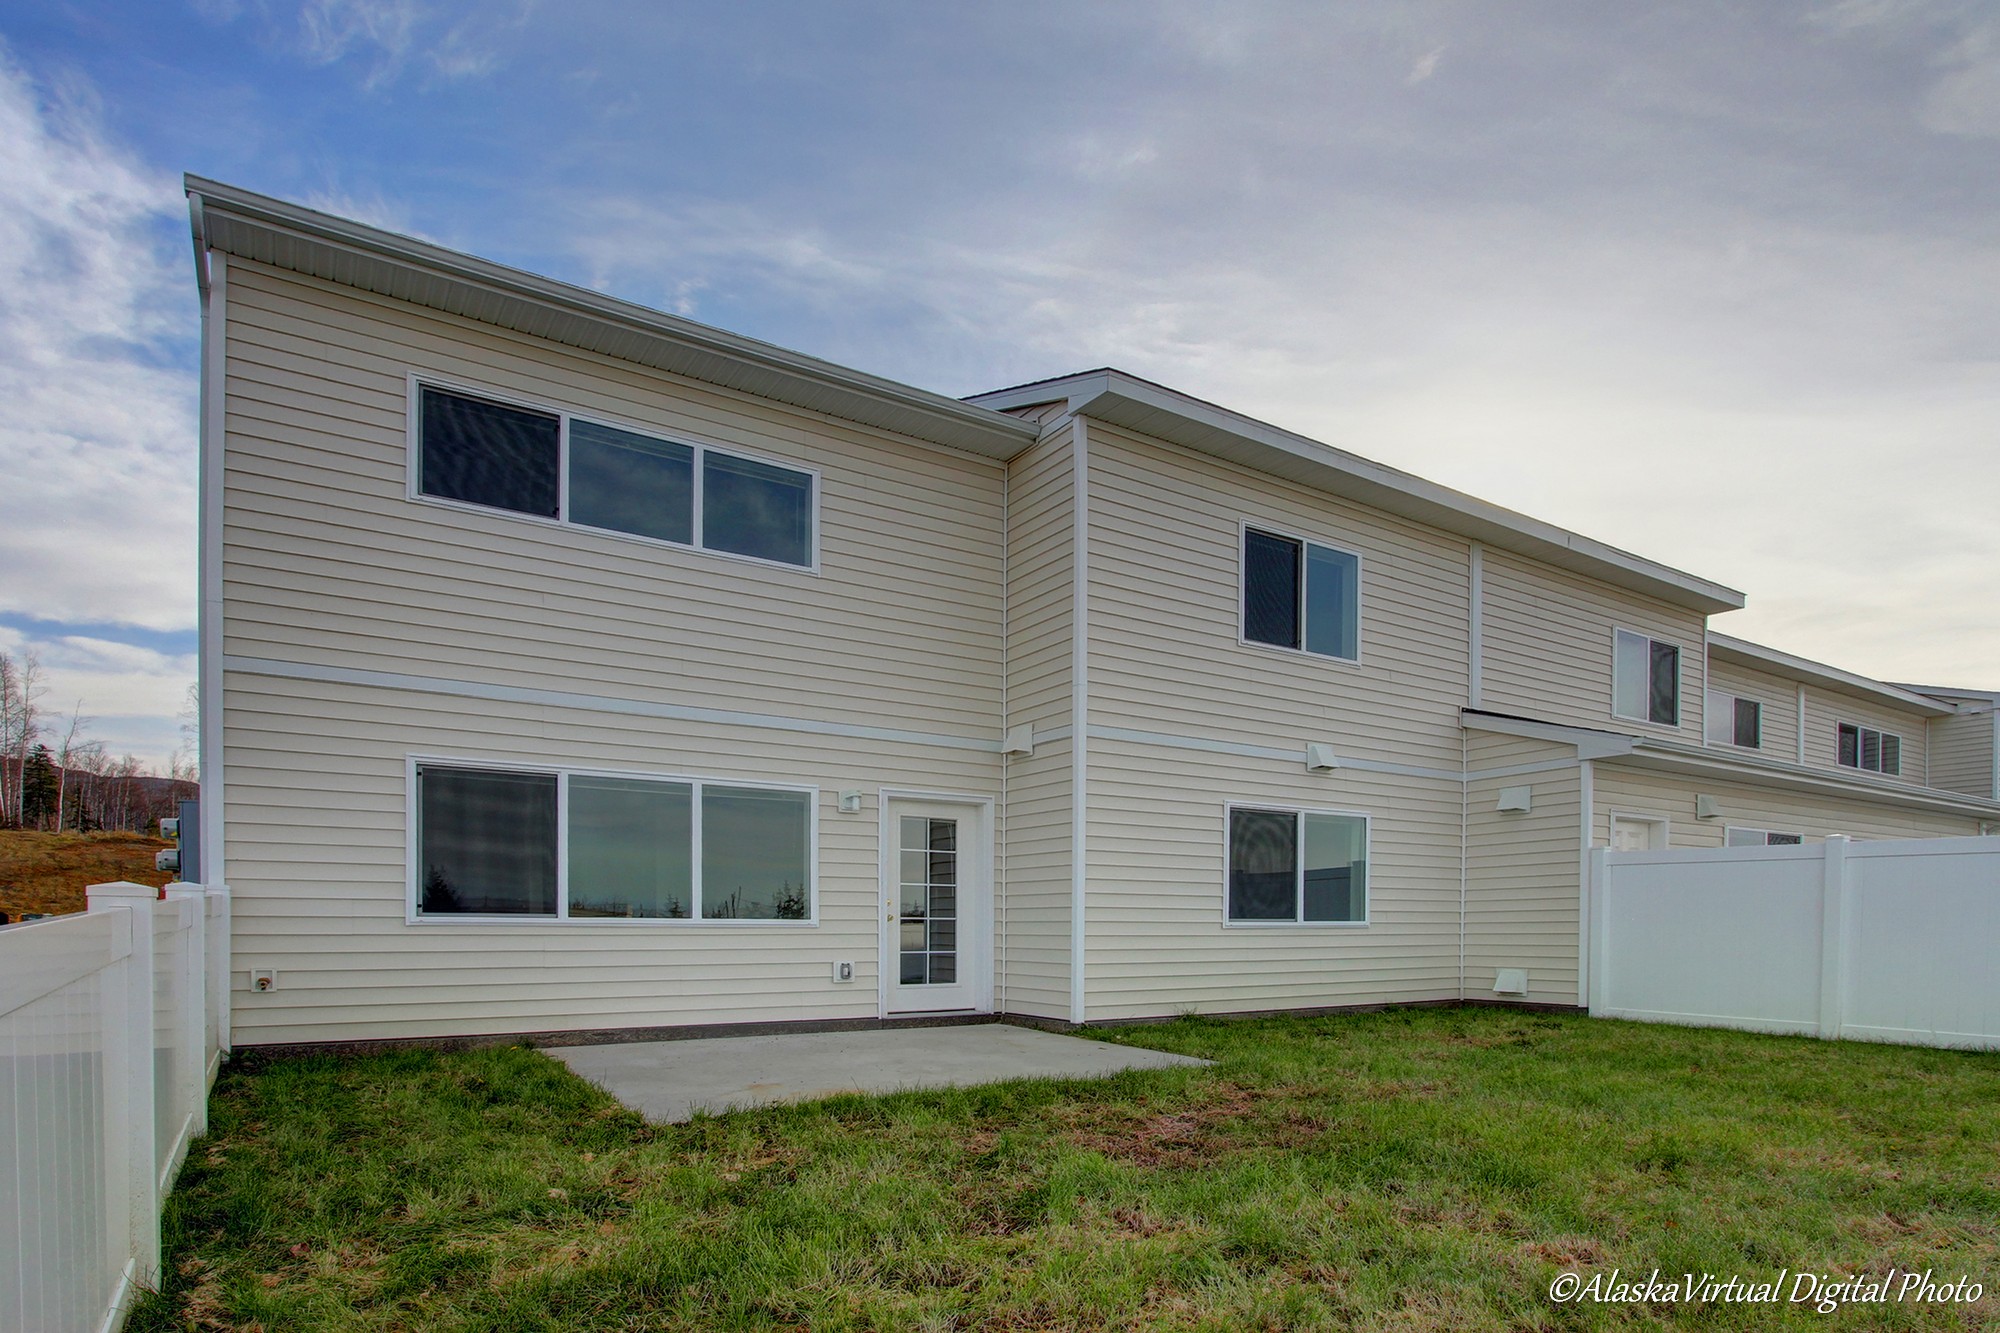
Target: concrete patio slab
pixel 668 1081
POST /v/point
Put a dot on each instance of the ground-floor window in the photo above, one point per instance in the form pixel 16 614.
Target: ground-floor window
pixel 563 845
pixel 1760 837
pixel 1297 866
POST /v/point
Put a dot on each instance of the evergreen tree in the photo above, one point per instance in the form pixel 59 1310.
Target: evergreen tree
pixel 38 788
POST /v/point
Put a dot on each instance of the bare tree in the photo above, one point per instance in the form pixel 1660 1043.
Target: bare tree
pixel 21 690
pixel 184 764
pixel 66 755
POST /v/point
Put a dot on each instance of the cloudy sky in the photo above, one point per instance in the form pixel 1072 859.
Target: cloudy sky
pixel 1714 282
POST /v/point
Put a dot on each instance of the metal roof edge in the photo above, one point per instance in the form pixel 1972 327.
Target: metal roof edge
pixel 958 423
pixel 1757 655
pixel 1590 743
pixel 1099 393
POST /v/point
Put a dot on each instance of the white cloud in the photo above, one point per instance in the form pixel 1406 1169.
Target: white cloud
pixel 97 318
pixel 130 696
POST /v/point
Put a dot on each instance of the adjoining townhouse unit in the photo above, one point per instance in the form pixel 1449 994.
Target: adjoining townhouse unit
pixel 571 666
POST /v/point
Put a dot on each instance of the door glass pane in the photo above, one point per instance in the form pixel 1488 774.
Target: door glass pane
pixel 631 848
pixel 1263 865
pixel 752 508
pixel 1336 869
pixel 630 483
pixel 487 454
pixel 1270 590
pixel 755 858
pixel 928 855
pixel 1333 602
pixel 486 842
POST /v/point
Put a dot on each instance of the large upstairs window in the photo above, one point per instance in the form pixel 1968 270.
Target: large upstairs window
pixel 1645 679
pixel 554 465
pixel 1299 594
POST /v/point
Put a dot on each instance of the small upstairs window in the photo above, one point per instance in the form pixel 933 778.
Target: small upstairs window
pixel 1301 595
pixel 1645 679
pixel 1869 750
pixel 1734 721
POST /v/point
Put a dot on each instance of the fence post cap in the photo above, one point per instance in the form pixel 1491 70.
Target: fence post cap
pixel 120 892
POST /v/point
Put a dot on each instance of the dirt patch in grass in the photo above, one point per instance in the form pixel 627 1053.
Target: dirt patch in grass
pixel 1230 1118
pixel 48 872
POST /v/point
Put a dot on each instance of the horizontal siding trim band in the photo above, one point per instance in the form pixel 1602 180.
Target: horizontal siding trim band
pixel 1247 751
pixel 465 689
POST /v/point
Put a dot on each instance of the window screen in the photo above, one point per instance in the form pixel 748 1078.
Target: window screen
pixel 1749 723
pixel 1263 865
pixel 489 454
pixel 486 842
pixel 1270 590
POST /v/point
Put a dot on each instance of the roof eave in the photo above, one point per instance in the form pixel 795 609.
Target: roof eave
pixel 253 226
pixel 1152 409
pixel 1756 656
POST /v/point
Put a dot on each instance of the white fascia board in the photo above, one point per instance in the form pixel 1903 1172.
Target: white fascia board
pixel 1667 756
pixel 1742 652
pixel 1589 743
pixel 1140 405
pixel 303 240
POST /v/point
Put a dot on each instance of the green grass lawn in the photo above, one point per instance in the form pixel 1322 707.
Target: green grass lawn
pixel 1417 1169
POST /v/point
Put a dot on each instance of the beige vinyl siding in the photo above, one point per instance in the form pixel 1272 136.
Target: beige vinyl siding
pixel 1034 960
pixel 1166 617
pixel 318 864
pixel 1156 943
pixel 1779 697
pixel 1548 641
pixel 1523 869
pixel 326 559
pixel 1626 790
pixel 1827 709
pixel 1961 753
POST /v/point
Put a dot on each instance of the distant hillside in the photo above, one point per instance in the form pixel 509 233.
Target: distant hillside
pixel 48 872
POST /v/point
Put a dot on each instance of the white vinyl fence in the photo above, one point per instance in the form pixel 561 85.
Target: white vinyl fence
pixel 1882 941
pixel 113 1023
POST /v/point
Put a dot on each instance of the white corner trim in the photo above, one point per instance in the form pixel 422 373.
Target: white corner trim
pixel 1079 711
pixel 1587 800
pixel 1475 627
pixel 208 688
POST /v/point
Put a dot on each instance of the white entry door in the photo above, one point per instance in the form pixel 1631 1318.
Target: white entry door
pixel 937 909
pixel 1636 833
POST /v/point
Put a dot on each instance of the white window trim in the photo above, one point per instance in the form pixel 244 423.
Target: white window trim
pixel 1229 810
pixel 1680 684
pixel 413 461
pixel 562 774
pixel 1764 833
pixel 1243 528
pixel 1902 744
pixel 1665 823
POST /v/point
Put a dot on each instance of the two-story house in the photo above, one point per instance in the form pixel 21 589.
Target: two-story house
pixel 567 665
